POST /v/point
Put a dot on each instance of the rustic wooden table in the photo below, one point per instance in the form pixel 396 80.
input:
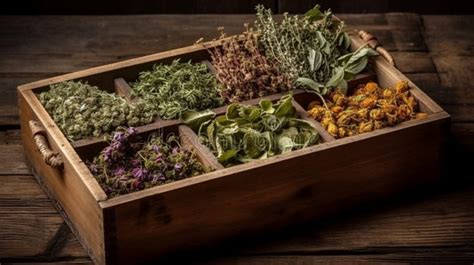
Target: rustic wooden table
pixel 435 225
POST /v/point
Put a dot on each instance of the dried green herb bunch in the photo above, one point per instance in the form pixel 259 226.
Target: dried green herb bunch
pixel 247 133
pixel 314 46
pixel 178 87
pixel 82 110
pixel 244 70
pixel 131 163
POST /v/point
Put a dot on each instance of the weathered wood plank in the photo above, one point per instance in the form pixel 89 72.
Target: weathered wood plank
pixel 457 76
pixel 12 160
pixel 428 256
pixel 449 35
pixel 414 62
pixel 383 6
pixel 30 224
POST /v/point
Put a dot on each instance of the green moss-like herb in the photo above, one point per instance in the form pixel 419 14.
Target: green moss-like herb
pixel 178 87
pixel 81 110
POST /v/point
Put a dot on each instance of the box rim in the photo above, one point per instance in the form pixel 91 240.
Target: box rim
pixel 169 187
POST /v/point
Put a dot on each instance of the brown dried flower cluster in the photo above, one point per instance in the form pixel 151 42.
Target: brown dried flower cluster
pixel 369 108
pixel 244 71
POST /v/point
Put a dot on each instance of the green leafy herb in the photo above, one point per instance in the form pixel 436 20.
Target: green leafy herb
pixel 247 133
pixel 178 87
pixel 314 47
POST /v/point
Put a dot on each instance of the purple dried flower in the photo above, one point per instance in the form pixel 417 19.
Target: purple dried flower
pixel 107 152
pixel 155 148
pixel 139 173
pixel 175 150
pixel 135 162
pixel 120 171
pixel 119 137
pixel 93 168
pixel 129 164
pixel 178 166
pixel 132 131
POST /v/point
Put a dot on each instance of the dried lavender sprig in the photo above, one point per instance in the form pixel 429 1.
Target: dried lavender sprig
pixel 130 163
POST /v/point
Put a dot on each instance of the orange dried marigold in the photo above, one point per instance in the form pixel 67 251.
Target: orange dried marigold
pixel 369 108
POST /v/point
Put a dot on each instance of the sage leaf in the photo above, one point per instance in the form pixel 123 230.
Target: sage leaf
pixel 195 118
pixel 314 14
pixel 309 83
pixel 315 59
pixel 256 132
pixel 227 156
pixel 267 106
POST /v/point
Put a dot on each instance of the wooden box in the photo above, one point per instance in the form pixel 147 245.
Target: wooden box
pixel 246 199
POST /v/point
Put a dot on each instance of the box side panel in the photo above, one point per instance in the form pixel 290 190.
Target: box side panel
pixel 306 185
pixel 65 187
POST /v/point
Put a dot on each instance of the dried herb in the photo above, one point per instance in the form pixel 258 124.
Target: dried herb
pixel 244 70
pixel 314 47
pixel 370 108
pixel 178 87
pixel 82 110
pixel 130 164
pixel 247 133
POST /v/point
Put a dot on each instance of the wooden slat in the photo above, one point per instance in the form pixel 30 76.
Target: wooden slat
pixel 190 140
pixel 122 88
pixel 325 136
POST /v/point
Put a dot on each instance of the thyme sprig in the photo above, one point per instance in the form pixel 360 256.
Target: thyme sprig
pixel 313 47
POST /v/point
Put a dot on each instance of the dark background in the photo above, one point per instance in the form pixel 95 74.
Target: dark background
pixel 97 7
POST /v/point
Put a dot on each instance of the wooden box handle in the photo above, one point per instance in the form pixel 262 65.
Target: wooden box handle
pixel 38 132
pixel 373 43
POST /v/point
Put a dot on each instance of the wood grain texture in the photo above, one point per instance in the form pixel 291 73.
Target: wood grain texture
pixel 441 221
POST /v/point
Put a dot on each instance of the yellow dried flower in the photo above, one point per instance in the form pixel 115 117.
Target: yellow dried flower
pixel 325 122
pixel 342 132
pixel 337 109
pixel 370 108
pixel 371 87
pixel 367 126
pixel 401 86
pixel 314 104
pixel 344 119
pixel 376 114
pixel 332 129
pixel 379 125
pixel 360 90
pixel 404 112
pixel 391 119
pixel 388 93
pixel 368 103
pixel 363 113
